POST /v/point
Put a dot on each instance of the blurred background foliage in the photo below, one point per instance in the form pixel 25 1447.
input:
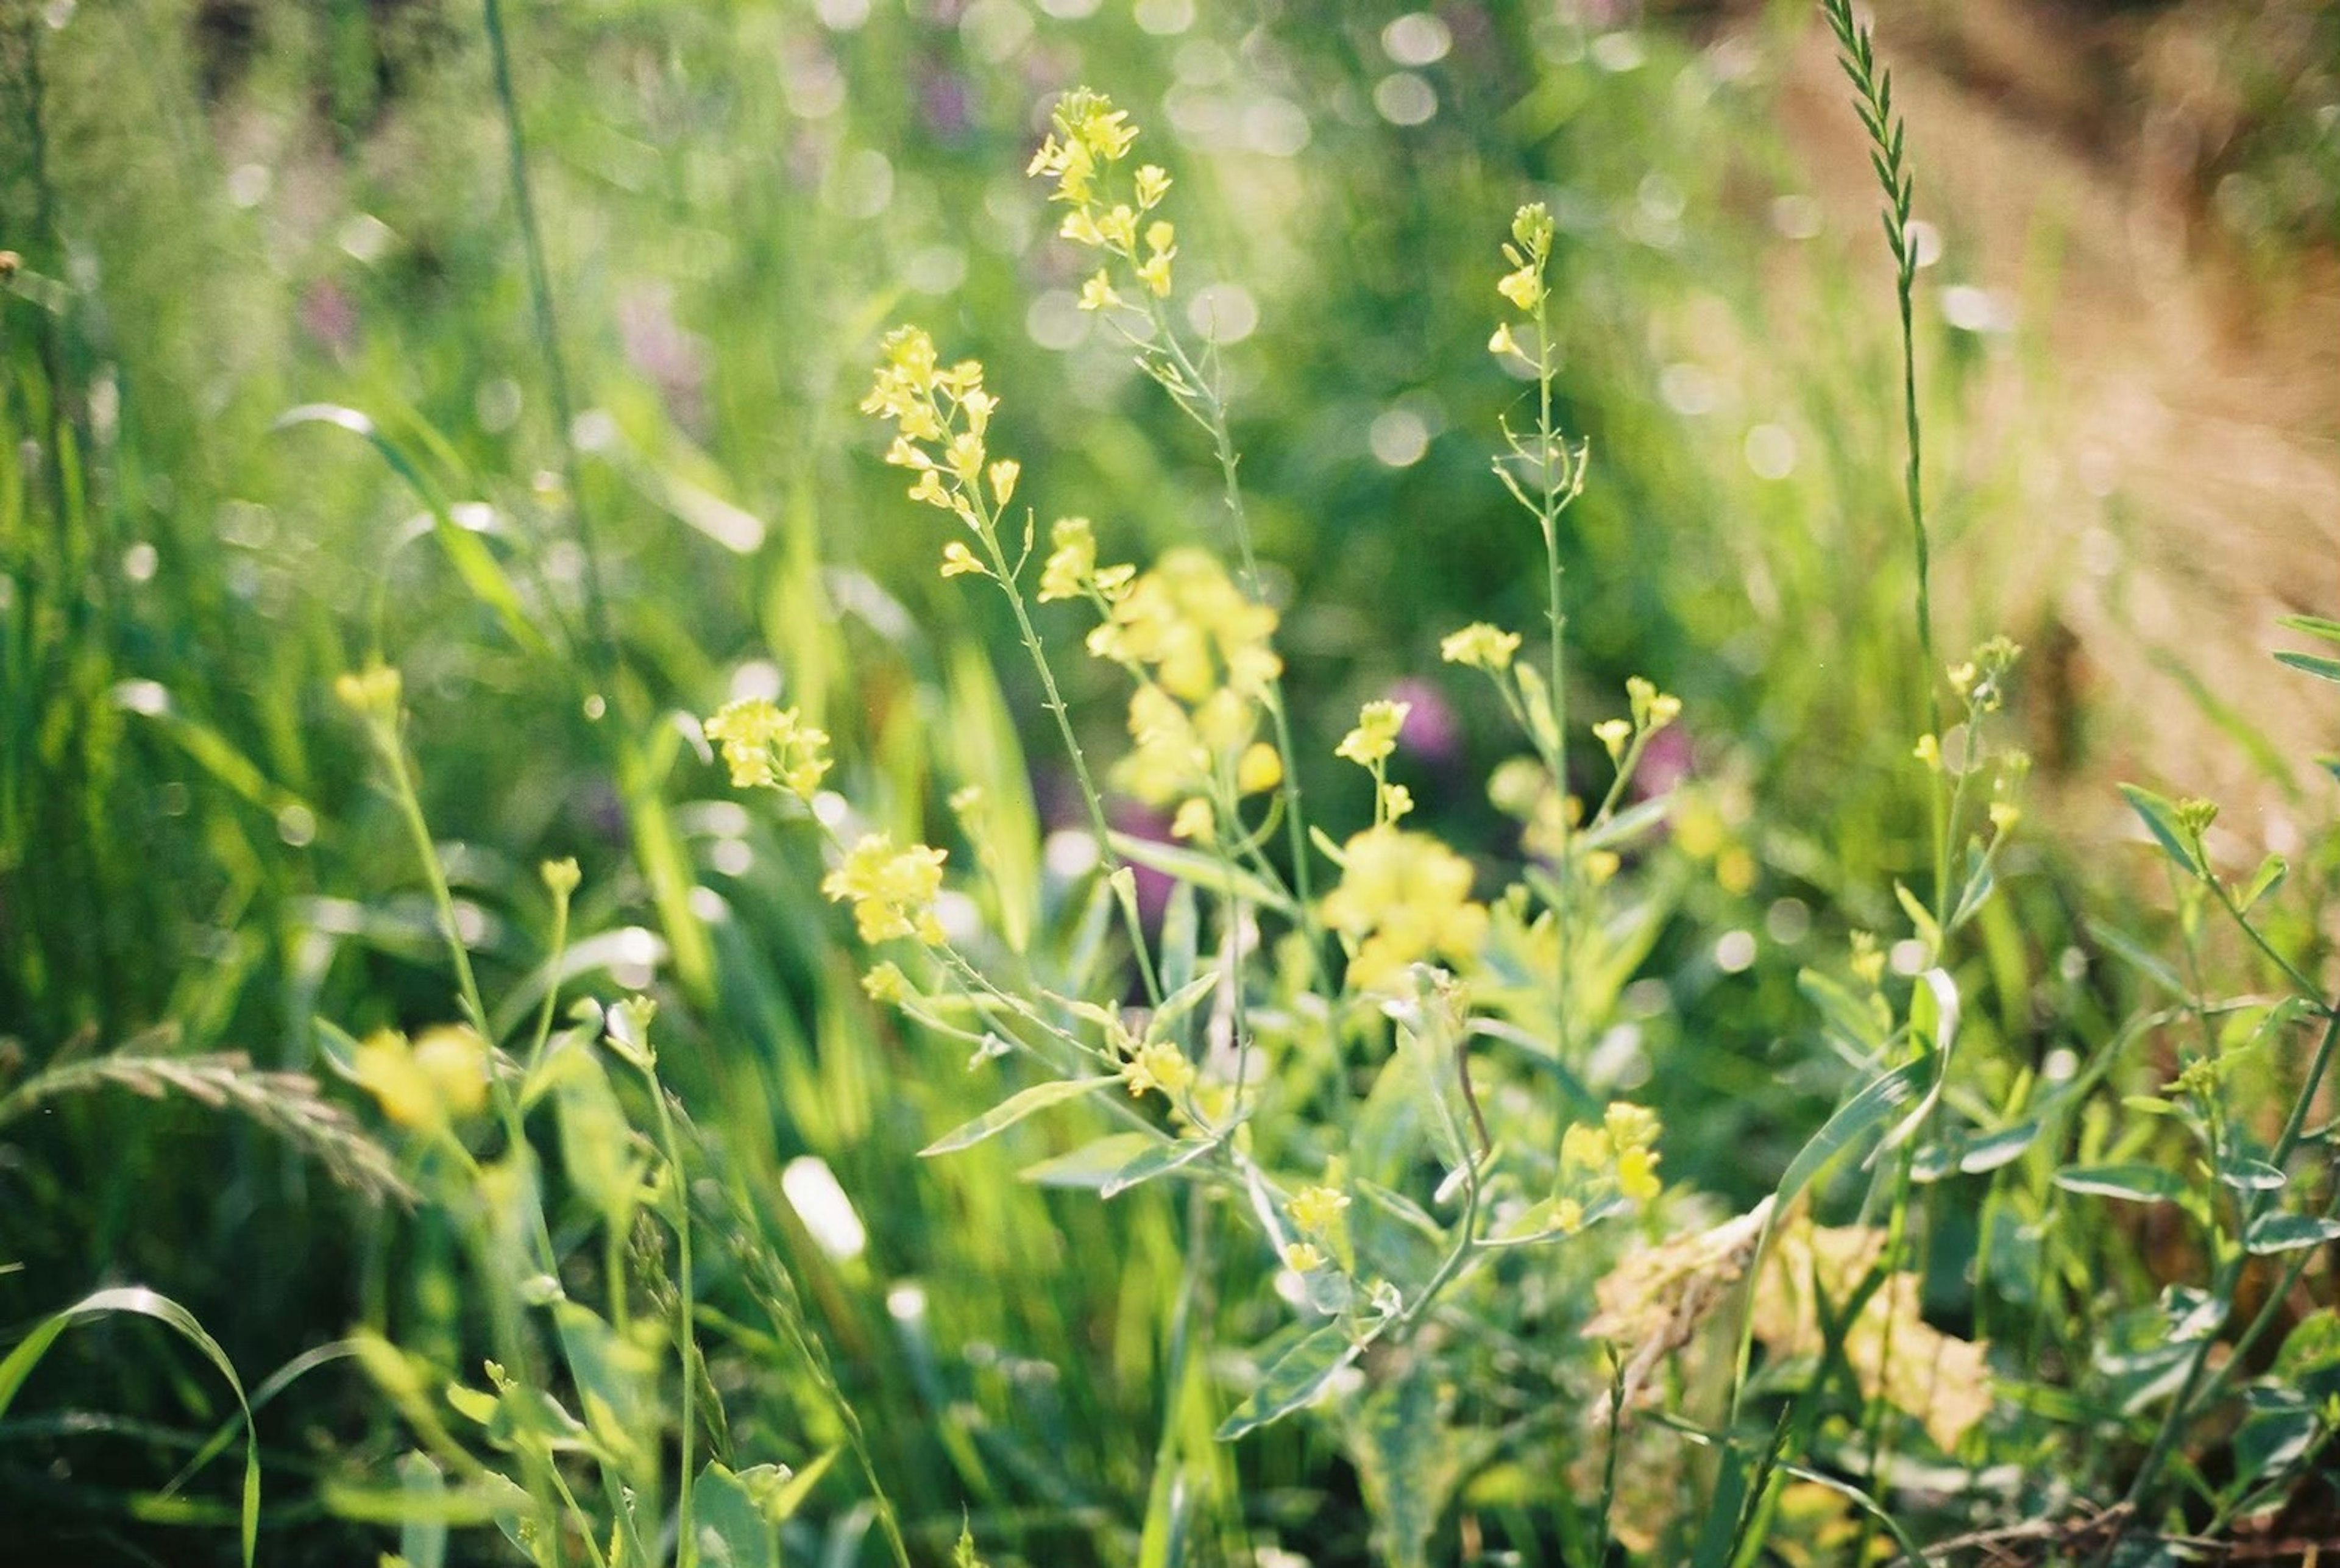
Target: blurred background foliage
pixel 230 209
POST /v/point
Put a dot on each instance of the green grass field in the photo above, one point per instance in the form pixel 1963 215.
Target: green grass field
pixel 1662 1094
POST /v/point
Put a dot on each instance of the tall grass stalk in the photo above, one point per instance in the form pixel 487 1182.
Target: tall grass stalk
pixel 602 636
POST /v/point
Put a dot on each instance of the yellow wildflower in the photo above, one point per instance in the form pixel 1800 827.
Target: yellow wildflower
pixel 1072 563
pixel 1375 736
pixel 1153 184
pixel 1523 287
pixel 1502 342
pixel 958 561
pixel 893 891
pixel 1405 898
pixel 1614 733
pixel 372 693
pixel 441 1077
pixel 1002 479
pixel 1195 820
pixel 1157 1065
pixel 1097 293
pixel 1480 646
pixel 1302 1257
pixel 1315 1209
pixel 766 745
pixel 887 984
pixel 1396 801
pixel 1260 767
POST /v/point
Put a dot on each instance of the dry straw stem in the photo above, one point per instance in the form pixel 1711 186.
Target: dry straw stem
pixel 287 1103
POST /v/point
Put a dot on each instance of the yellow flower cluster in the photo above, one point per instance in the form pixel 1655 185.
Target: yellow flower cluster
pixel 439 1077
pixel 1404 899
pixel 1480 646
pixel 1204 661
pixel 1082 154
pixel 940 414
pixel 1315 1209
pixel 1528 249
pixel 770 747
pixel 1071 570
pixel 1157 1065
pixel 893 891
pixel 1620 1154
pixel 1315 1213
pixel 370 693
pixel 1375 739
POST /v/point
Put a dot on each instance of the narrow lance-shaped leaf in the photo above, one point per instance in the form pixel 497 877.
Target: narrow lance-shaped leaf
pixel 1014 1109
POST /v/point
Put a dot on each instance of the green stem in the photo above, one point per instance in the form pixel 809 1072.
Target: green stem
pixel 1124 894
pixel 687 1542
pixel 1548 517
pixel 604 641
pixel 434 873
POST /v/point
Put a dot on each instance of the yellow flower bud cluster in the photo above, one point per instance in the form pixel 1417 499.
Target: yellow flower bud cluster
pixel 1480 646
pixel 767 746
pixel 439 1077
pixel 1375 739
pixel 1529 248
pixel 940 416
pixel 1618 1158
pixel 371 693
pixel 1404 899
pixel 1157 1065
pixel 1083 152
pixel 893 891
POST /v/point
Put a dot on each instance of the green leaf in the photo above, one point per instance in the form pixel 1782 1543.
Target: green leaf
pixel 461 1507
pixel 2273 1233
pixel 2160 820
pixel 617 1383
pixel 1207 872
pixel 1179 1003
pixel 2315 664
pixel 1921 919
pixel 1093 1163
pixel 1980 883
pixel 1292 1379
pixel 1181 928
pixel 1974 1154
pixel 1862 1023
pixel 1159 1160
pixel 2244 1173
pixel 1014 1109
pixel 1627 825
pixel 1535 702
pixel 474 562
pixel 1865 1111
pixel 731 1530
pixel 2128 1183
pixel 597 1142
pixel 138 1302
pixel 1406 1463
pixel 2268 877
pixel 2138 958
pixel 2314 625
